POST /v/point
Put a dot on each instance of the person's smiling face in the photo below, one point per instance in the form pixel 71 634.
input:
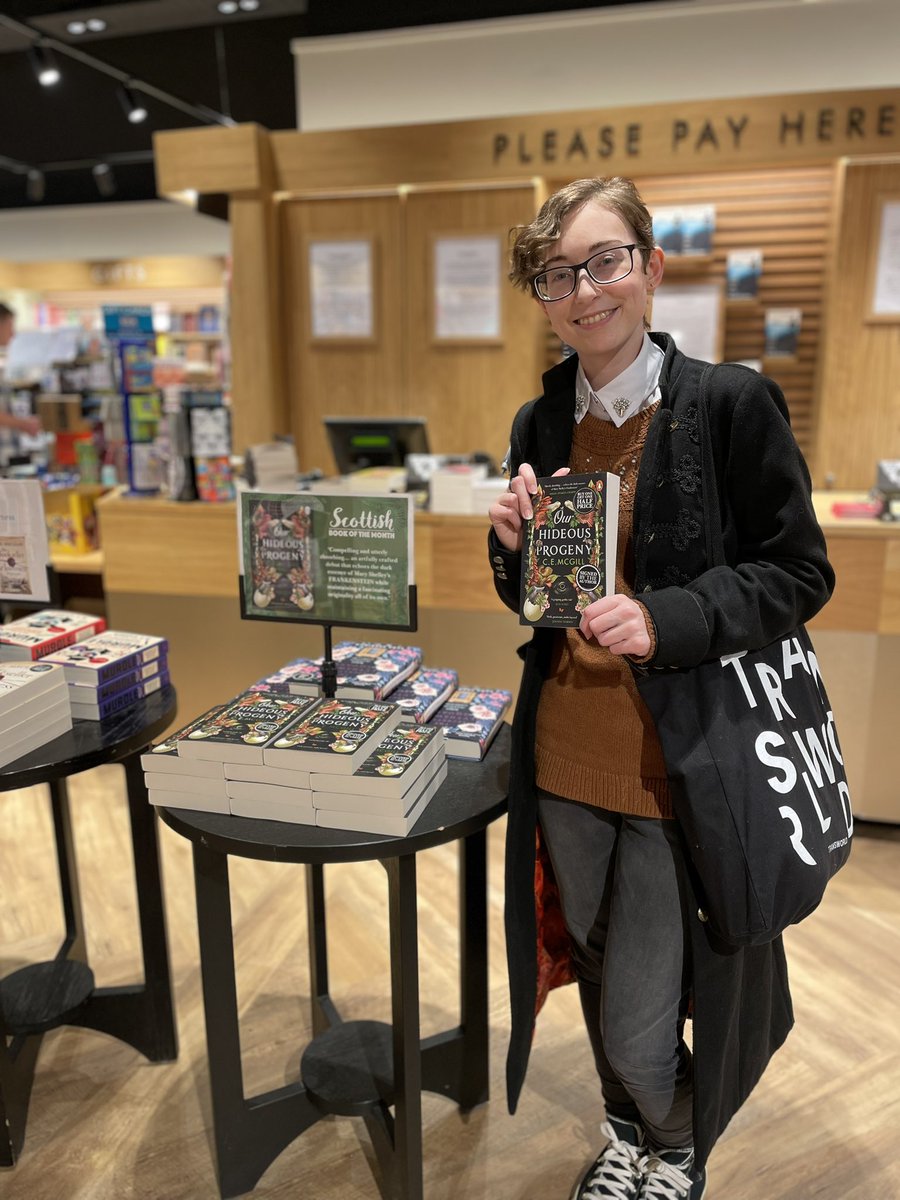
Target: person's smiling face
pixel 604 324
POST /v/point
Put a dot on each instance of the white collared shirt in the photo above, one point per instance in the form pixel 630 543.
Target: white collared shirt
pixel 632 390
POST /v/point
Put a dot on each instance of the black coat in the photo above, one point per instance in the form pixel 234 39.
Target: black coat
pixel 777 576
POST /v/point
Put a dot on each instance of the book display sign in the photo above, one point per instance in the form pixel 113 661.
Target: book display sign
pixel 329 560
pixel 24 552
pixel 569 556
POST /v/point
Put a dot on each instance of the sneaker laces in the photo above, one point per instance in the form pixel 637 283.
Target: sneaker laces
pixel 616 1171
pixel 663 1180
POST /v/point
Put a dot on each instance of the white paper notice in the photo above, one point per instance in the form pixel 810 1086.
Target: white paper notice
pixel 24 553
pixel 467 287
pixel 691 313
pixel 340 289
pixel 886 300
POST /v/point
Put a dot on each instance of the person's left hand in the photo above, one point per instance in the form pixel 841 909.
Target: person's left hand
pixel 618 623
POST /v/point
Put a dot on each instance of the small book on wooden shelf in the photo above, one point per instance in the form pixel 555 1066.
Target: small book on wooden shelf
pixel 569 548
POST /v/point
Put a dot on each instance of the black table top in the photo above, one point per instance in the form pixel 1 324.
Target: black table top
pixel 91 743
pixel 473 796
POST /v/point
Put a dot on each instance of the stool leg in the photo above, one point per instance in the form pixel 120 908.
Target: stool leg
pixel 324 1013
pixel 401 874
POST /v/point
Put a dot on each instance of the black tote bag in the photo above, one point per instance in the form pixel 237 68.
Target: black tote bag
pixel 756 773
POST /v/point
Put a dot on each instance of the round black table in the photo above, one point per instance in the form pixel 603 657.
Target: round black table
pixel 357 1068
pixel 41 996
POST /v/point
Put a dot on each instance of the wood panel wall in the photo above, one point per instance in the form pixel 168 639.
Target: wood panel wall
pixel 786 213
pixel 859 412
pixel 467 393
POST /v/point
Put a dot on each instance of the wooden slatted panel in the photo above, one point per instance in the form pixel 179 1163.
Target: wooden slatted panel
pixel 787 214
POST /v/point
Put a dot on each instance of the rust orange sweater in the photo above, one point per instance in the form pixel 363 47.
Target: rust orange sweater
pixel 595 739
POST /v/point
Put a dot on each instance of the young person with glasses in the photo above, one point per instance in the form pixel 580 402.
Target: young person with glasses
pixel 588 774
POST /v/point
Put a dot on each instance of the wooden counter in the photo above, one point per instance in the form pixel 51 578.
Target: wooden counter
pixel 172 569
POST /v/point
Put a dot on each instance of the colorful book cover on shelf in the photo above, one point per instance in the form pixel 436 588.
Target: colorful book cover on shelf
pixel 253 719
pixel 373 669
pixel 59 621
pixel 470 720
pixel 334 735
pixel 106 706
pixel 213 479
pixel 306 673
pixel 424 692
pixel 392 767
pixel 108 654
pixel 569 548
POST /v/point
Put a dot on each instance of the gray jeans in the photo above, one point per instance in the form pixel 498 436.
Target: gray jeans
pixel 622 887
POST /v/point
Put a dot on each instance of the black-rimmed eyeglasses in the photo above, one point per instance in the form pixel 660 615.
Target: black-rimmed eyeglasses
pixel 606 266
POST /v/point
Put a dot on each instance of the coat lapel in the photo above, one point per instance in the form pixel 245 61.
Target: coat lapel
pixel 554 416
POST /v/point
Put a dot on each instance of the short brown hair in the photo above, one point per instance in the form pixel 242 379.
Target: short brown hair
pixel 531 242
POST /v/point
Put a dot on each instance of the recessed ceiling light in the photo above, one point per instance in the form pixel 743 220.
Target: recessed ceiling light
pixel 227 7
pixel 96 25
pixel 248 5
pixel 76 28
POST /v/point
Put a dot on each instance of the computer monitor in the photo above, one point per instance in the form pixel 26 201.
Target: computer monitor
pixel 358 442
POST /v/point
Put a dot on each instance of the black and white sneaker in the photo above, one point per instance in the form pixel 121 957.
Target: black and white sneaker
pixel 670 1175
pixel 616 1172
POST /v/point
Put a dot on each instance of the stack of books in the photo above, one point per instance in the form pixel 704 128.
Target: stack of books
pixel 470 720
pixel 34 707
pixel 450 489
pixel 112 671
pixel 41 633
pixel 389 790
pixel 365 670
pixel 177 782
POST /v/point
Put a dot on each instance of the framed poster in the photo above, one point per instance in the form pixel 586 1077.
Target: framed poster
pixel 466 291
pixel 692 314
pixel 742 271
pixel 686 231
pixel 782 329
pixel 883 289
pixel 341 289
pixel 327 559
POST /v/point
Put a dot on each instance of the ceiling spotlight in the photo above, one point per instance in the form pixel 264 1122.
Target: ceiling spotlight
pixel 227 7
pixel 96 25
pixel 76 28
pixel 44 64
pixel 135 110
pixel 34 185
pixel 248 5
pixel 104 178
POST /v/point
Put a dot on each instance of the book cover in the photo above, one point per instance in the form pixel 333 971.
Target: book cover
pixel 106 706
pixel 390 826
pixel 164 755
pixel 569 548
pixel 333 736
pixel 277 541
pixel 29 636
pixel 20 681
pixel 470 720
pixel 365 670
pixel 424 692
pixel 392 768
pixel 239 732
pixel 101 658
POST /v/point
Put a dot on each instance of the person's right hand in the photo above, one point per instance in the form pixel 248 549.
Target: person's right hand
pixel 514 507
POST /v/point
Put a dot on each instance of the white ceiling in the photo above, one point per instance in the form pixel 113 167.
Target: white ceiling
pixel 92 232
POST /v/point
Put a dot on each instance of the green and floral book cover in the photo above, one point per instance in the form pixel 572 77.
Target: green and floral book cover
pixel 569 548
pixel 252 720
pixel 334 735
pixel 278 544
pixel 392 766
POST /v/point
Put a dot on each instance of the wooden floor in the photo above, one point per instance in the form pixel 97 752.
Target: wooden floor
pixel 106 1125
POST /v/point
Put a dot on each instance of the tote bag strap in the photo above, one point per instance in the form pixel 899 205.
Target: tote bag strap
pixel 715 550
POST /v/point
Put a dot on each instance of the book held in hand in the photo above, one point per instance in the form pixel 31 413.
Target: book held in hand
pixel 424 692
pixel 569 548
pixel 470 720
pixel 334 736
pixel 392 769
